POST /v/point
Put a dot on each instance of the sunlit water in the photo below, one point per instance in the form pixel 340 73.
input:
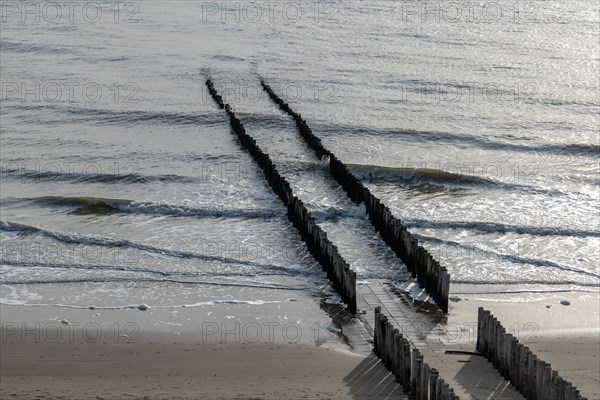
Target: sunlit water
pixel 478 128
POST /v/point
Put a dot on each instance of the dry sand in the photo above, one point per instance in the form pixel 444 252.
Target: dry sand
pixel 566 336
pixel 163 370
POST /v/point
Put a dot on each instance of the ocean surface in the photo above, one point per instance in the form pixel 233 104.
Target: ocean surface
pixel 477 125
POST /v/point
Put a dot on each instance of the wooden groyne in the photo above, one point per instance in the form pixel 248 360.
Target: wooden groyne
pixel 430 275
pixel 407 364
pixel 532 377
pixel 326 253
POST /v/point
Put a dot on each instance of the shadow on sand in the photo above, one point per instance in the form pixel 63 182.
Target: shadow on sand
pixel 477 377
pixel 371 380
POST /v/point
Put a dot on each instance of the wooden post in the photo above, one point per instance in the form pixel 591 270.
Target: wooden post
pixel 376 335
pixel 390 346
pixel 491 339
pixel 424 386
pixel 484 334
pixel 524 368
pixel 554 386
pixel 433 381
pixel 445 278
pixel 406 355
pixel 514 360
pixel 445 391
pixel 386 344
pixel 538 371
pixel 479 329
pixel 496 339
pixel 398 356
pixel 384 321
pixel 413 370
pixel 439 389
pixel 531 365
pixel 561 388
pixel 506 353
pixel 547 381
pixel 394 350
pixel 568 387
pixel 352 292
pixel 450 393
pixel 501 357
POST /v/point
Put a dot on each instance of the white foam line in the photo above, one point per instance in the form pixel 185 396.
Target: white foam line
pixel 10 302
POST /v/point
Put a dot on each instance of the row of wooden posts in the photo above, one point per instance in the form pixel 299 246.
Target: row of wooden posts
pixel 325 252
pixel 407 365
pixel 531 376
pixel 430 275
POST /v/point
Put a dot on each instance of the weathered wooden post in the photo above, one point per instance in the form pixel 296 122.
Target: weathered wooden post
pixel 433 382
pixel 524 368
pixel 406 355
pixel 419 376
pixel 568 389
pixel 501 357
pixel 384 322
pixel 497 348
pixel 530 389
pixel 439 386
pixel 490 341
pixel 424 386
pixel 389 346
pixel 538 375
pixel 376 335
pixel 445 290
pixel 554 386
pixel 514 360
pixel 451 395
pixel 546 381
pixel 353 291
pixel 479 329
pixel 398 356
pixel 445 391
pixel 413 370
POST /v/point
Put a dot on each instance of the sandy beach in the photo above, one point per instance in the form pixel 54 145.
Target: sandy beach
pixel 162 370
pixel 232 350
pixel 225 349
pixel 566 336
pixel 217 200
